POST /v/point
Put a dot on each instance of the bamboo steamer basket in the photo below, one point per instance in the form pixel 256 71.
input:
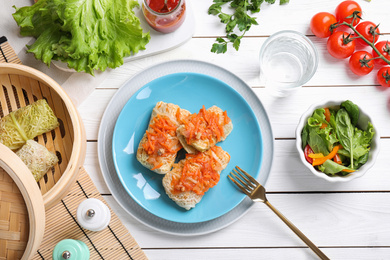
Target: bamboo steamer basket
pixel 22 85
pixel 22 212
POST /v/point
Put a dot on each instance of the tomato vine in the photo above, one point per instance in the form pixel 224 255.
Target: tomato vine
pixel 348 15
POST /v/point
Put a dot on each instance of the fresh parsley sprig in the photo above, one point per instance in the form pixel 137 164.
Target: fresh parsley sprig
pixel 240 19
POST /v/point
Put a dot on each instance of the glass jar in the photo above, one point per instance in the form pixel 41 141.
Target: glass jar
pixel 166 19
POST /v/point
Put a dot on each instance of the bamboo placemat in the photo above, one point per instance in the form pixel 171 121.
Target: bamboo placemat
pixel 114 242
pixel 7 54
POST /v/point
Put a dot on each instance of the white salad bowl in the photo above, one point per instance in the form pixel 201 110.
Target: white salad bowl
pixel 364 118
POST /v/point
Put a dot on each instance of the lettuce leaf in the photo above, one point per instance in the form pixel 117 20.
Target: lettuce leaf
pixel 353 111
pixel 322 139
pixel 331 168
pixel 87 34
pixel 317 143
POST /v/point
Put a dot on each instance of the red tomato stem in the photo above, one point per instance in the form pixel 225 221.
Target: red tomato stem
pixel 364 62
pixel 386 76
pixel 347 39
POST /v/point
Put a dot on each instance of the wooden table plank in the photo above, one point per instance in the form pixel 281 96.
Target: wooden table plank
pixel 267 253
pixel 329 220
pixel 244 63
pixel 294 16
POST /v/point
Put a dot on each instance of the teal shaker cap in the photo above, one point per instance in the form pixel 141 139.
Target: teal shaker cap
pixel 71 249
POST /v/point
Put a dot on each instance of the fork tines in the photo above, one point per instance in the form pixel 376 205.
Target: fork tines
pixel 243 180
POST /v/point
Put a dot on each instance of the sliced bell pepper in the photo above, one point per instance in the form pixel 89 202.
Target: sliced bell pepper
pixel 316 155
pixel 319 161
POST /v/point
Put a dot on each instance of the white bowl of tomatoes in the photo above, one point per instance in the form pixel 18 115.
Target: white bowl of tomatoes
pixel 337 140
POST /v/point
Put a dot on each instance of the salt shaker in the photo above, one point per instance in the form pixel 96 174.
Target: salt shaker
pixel 71 249
pixel 93 214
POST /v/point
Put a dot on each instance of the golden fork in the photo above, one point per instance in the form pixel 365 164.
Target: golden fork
pixel 256 192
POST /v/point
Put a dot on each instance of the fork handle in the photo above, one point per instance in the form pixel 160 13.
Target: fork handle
pixel 297 232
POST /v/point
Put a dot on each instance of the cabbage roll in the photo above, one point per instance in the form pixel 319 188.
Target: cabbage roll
pixel 26 123
pixel 37 158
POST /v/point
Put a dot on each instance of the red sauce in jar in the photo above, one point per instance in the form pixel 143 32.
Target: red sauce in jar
pixel 164 18
pixel 159 6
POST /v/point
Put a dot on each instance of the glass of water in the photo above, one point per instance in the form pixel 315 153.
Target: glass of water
pixel 288 59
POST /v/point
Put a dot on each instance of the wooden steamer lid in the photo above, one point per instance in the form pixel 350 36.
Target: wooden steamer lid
pixel 22 211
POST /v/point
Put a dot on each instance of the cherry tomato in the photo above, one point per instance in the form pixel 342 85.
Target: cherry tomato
pixel 368 30
pixel 320 24
pixel 383 76
pixel 337 159
pixel 340 45
pixel 361 63
pixel 384 48
pixel 346 9
pixel 308 151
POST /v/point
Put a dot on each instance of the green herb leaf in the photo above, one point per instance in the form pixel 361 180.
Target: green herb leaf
pixel 225 18
pixel 220 40
pixel 231 25
pixel 236 43
pixel 240 19
pixel 232 37
pixel 215 9
pixel 254 7
pixel 220 47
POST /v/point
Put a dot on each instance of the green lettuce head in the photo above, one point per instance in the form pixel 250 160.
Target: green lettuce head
pixel 86 34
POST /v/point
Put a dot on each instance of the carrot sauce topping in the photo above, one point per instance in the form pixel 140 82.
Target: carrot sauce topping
pixel 159 142
pixel 200 172
pixel 205 125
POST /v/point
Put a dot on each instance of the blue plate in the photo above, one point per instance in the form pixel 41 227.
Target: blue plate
pixel 190 91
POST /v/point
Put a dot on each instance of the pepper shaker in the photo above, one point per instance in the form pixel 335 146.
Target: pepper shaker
pixel 93 214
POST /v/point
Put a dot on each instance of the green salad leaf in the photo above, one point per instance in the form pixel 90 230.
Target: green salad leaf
pixel 88 35
pixel 345 132
pixel 328 137
pixel 331 168
pixel 353 111
pixel 318 118
pixel 317 143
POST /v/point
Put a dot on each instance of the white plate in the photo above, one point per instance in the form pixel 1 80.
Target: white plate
pixel 105 145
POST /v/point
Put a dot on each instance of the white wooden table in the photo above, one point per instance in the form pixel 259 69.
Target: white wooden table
pixel 347 220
